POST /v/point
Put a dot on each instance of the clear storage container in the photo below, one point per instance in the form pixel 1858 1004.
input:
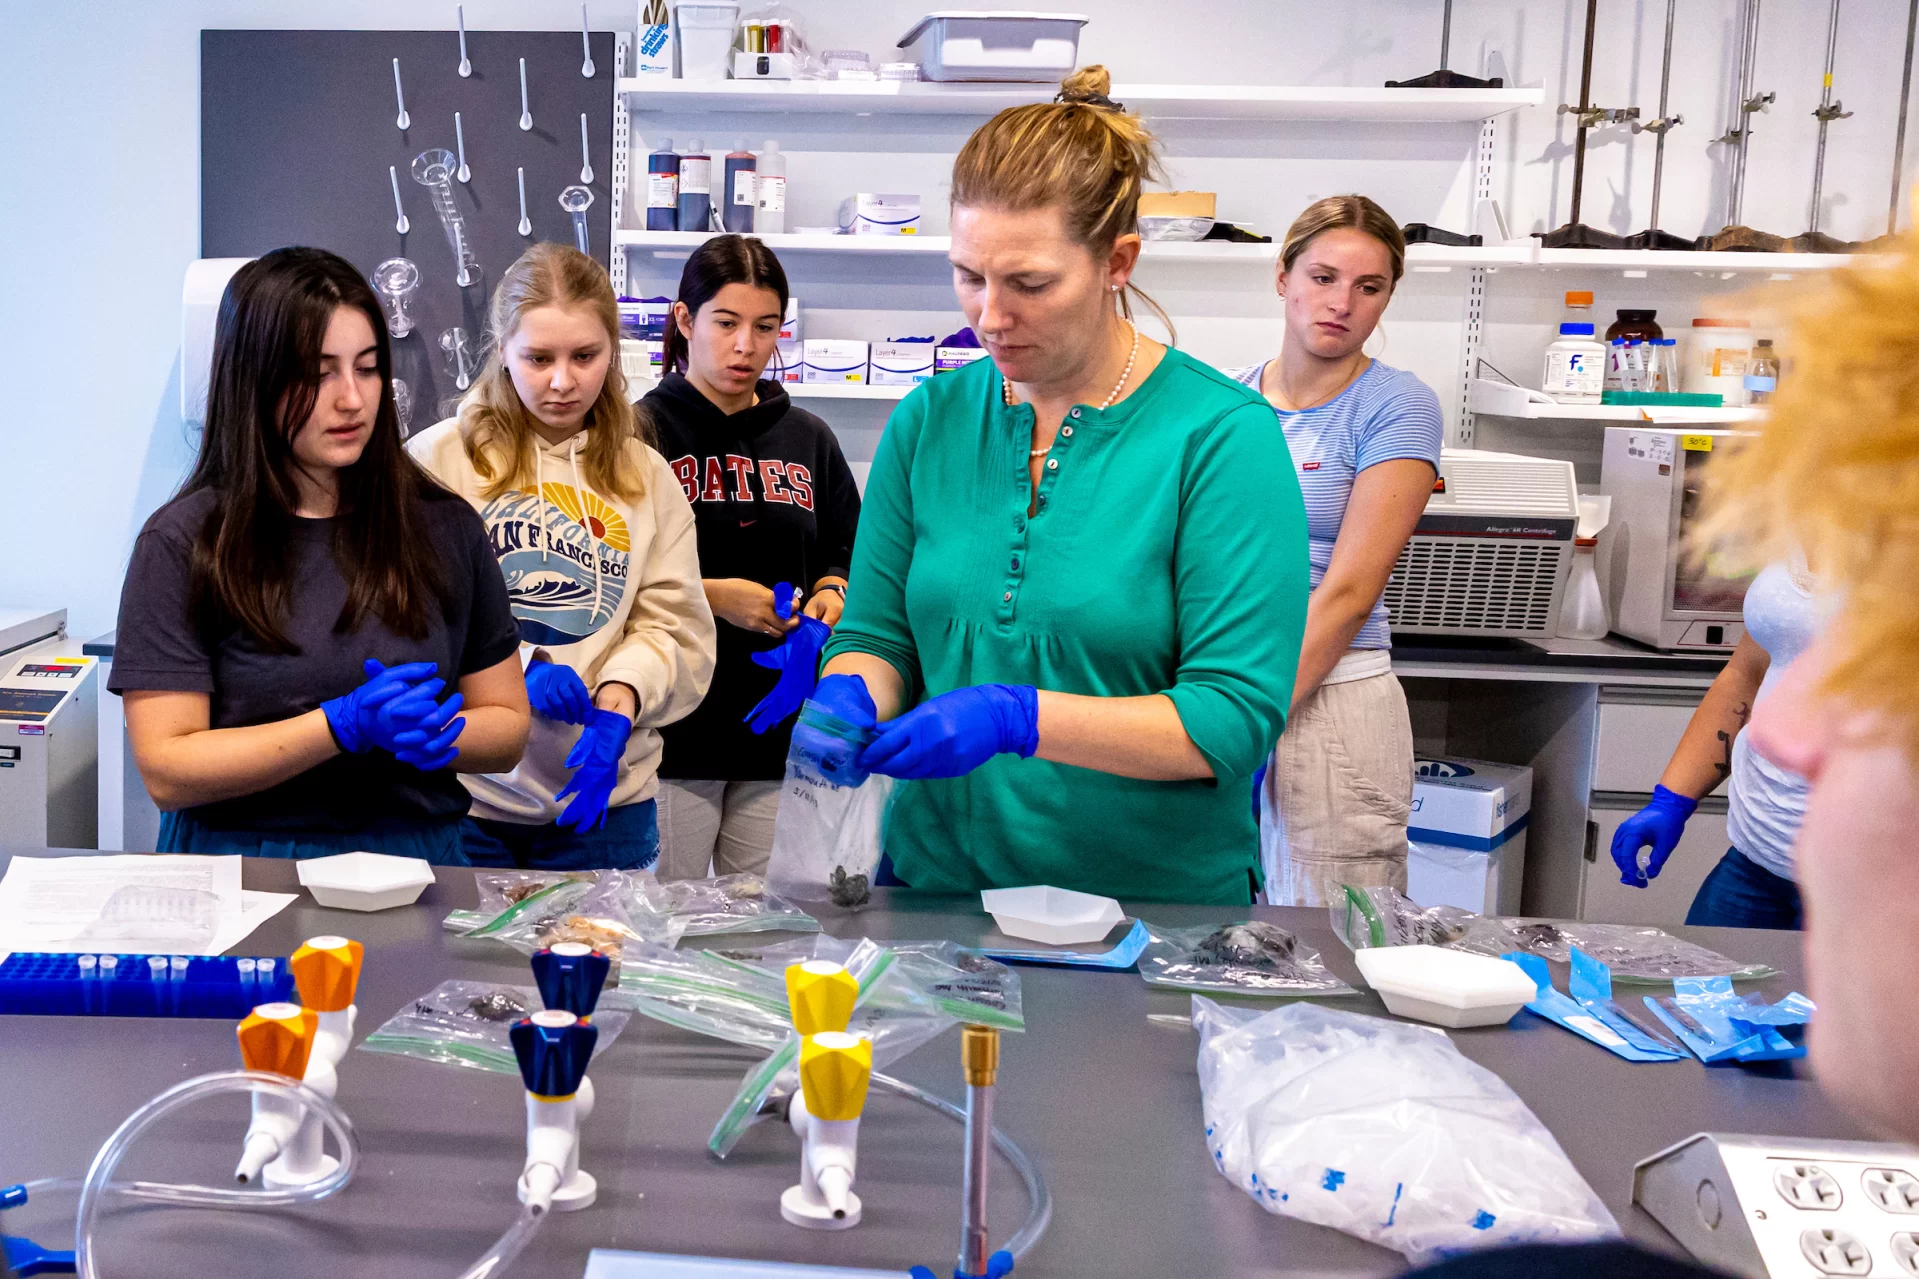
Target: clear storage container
pixel 997 44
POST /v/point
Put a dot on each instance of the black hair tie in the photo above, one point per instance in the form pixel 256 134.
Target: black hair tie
pixel 1088 99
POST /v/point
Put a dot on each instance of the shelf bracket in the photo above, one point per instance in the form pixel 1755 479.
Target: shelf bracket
pixel 1463 432
pixel 619 179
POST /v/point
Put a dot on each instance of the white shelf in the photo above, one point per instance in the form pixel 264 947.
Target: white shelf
pixel 1498 399
pixel 1707 263
pixel 844 391
pixel 1418 256
pixel 1157 101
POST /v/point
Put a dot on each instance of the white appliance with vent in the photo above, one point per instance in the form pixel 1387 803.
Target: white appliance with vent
pixel 1491 554
pixel 1659 593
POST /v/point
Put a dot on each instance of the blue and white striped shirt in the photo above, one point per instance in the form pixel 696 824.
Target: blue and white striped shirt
pixel 1386 414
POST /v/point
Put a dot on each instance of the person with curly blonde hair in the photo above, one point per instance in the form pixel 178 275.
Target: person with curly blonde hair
pixel 1835 471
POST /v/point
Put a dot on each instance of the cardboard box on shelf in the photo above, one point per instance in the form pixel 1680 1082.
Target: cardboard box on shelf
pixel 901 363
pixel 877 214
pixel 951 359
pixel 835 360
pixel 788 363
pixel 1178 204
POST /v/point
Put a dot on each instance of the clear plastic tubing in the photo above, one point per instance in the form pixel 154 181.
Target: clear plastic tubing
pixel 97 1182
pixel 1038 1217
pixel 94 1189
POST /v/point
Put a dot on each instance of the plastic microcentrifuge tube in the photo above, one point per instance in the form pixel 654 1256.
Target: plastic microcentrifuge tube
pixel 157 967
pixel 89 965
pixel 459 362
pixel 397 280
pixel 245 967
pixel 434 171
pixel 263 969
pixel 577 200
pixel 178 964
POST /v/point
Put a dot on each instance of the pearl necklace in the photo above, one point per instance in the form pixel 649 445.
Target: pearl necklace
pixel 1132 357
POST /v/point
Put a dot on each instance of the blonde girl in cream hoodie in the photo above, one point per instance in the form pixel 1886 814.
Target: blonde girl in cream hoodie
pixel 597 544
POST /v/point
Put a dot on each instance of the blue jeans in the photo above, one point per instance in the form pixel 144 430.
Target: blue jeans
pixel 1740 893
pixel 630 840
pixel 435 841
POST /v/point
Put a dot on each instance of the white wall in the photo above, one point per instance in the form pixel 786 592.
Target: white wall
pixel 91 265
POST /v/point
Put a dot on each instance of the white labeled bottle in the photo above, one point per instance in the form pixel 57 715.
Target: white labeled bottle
pixel 772 190
pixel 1575 366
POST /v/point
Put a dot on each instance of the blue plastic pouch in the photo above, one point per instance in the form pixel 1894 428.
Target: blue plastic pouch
pixel 1596 1020
pixel 1718 1025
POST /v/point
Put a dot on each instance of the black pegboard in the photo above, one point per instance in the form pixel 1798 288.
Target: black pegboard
pixel 297 129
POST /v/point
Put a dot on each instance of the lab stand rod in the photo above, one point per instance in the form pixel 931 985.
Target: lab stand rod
pixel 1659 140
pixel 1585 105
pixel 1899 138
pixel 1748 57
pixel 1828 112
pixel 1446 37
pixel 974 1248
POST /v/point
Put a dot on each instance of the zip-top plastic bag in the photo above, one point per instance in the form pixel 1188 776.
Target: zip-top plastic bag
pixel 465 1023
pixel 597 912
pixel 666 912
pixel 826 839
pixel 1250 957
pixel 1383 1130
pixel 1636 953
pixel 739 995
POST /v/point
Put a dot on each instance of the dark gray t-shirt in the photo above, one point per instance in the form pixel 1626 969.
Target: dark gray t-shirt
pixel 160 647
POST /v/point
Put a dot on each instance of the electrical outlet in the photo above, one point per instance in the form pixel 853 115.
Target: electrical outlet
pixel 1811 1187
pixel 1893 1189
pixel 1905 1251
pixel 1835 1252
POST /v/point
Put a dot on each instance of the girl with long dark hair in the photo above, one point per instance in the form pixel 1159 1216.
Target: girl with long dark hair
pixel 291 618
pixel 776 508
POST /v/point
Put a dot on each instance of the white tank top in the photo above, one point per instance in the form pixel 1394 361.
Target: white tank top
pixel 1766 802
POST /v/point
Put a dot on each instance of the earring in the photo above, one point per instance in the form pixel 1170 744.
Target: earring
pixel 1116 288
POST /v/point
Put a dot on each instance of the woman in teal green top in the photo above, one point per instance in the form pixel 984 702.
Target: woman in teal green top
pixel 1081 565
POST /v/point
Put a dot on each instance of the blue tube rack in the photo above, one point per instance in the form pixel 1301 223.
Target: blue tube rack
pixel 222 986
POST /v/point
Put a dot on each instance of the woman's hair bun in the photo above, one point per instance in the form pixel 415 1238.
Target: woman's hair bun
pixel 1088 84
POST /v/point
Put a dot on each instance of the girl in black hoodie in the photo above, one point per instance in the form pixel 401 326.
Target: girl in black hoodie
pixel 775 505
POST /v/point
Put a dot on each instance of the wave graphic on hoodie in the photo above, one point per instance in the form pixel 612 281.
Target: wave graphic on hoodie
pixel 548 559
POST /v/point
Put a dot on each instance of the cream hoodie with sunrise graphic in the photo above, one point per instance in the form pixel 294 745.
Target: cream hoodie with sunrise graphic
pixel 606 586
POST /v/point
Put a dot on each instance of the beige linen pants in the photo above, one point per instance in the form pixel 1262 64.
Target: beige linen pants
pixel 1338 793
pixel 727 825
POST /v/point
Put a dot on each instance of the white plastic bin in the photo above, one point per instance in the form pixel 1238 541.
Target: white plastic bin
pixel 706 38
pixel 996 44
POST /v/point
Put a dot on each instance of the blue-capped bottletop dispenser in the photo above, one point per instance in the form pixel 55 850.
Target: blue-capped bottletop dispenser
pixel 554 1047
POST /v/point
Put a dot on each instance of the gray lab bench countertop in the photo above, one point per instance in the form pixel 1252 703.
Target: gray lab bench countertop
pixel 1106 1100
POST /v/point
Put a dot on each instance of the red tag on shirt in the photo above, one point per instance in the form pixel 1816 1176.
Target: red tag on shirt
pixel 1309 466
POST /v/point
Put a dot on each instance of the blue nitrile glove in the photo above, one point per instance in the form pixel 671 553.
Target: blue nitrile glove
pixel 595 761
pixel 393 700
pixel 786 598
pixel 1660 824
pixel 998 1266
pixel 429 747
pixel 954 733
pixel 798 662
pixel 844 697
pixel 556 691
